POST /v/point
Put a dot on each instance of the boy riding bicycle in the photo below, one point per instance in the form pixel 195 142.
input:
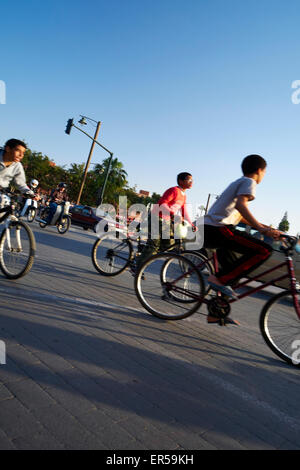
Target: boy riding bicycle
pixel 238 252
pixel 172 202
pixel 11 168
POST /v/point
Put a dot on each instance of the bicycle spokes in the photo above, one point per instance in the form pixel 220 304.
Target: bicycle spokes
pixel 169 287
pixel 17 249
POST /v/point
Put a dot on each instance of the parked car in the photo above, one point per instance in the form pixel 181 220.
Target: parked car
pixel 85 216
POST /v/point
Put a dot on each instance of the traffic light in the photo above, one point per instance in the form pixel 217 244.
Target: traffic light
pixel 69 126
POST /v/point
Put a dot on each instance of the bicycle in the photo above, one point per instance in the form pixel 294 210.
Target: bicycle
pixel 114 253
pixel 162 275
pixel 17 242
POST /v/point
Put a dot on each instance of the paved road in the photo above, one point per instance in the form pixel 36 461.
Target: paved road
pixel 87 368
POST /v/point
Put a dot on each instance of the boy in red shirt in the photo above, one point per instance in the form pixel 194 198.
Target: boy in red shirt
pixel 172 202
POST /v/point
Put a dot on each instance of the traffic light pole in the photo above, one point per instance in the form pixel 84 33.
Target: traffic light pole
pixel 70 124
pixel 88 161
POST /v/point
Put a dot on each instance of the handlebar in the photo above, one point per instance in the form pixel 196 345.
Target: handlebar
pixel 11 194
pixel 290 241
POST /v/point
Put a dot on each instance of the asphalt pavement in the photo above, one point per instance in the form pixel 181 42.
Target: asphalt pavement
pixel 87 368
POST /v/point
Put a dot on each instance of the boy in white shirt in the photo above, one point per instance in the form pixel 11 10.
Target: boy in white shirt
pixel 11 168
pixel 230 209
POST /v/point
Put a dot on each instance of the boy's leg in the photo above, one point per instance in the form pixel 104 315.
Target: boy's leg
pixel 252 253
pixel 151 248
pixel 154 246
pixel 238 254
pixel 52 209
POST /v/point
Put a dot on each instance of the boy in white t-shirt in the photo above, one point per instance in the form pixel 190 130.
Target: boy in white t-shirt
pixel 230 209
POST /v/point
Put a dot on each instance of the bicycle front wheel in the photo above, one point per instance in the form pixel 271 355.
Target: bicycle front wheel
pixel 111 255
pixel 280 327
pixel 17 250
pixel 203 265
pixel 162 295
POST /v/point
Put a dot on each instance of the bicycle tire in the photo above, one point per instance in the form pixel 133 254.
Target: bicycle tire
pixel 111 255
pixel 154 295
pixel 280 327
pixel 24 255
pixel 64 224
pixel 203 265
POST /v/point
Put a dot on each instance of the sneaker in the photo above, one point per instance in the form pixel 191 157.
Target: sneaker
pixel 226 290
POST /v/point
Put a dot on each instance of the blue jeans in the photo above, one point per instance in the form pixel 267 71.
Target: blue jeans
pixel 52 209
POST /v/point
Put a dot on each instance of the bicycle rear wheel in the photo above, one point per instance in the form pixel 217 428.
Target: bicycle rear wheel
pixel 17 250
pixel 111 255
pixel 280 327
pixel 159 295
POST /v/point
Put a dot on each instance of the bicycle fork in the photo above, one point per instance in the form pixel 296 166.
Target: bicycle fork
pixel 18 247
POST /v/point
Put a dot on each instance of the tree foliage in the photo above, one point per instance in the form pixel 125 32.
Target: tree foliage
pixel 42 168
pixel 284 225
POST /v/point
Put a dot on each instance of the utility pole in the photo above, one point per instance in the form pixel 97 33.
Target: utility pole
pixel 208 200
pixel 69 126
pixel 88 161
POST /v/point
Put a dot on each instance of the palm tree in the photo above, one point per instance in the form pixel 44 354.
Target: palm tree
pixel 116 182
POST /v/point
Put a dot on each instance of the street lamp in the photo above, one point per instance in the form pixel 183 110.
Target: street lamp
pixel 82 121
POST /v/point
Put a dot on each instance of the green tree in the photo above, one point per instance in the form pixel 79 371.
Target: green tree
pixel 43 169
pixel 116 181
pixel 284 224
pixel 134 198
pixel 74 176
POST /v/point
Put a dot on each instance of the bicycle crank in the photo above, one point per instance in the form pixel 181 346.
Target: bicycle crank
pixel 220 308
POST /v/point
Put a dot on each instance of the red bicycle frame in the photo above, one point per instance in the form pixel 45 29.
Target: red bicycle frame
pixel 290 274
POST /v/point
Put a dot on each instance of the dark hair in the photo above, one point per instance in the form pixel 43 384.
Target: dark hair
pixel 12 143
pixel 252 163
pixel 182 176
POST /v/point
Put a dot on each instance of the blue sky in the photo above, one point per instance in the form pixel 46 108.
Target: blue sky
pixel 178 86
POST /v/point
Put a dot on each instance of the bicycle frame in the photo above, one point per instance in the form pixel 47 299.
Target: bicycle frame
pixel 290 274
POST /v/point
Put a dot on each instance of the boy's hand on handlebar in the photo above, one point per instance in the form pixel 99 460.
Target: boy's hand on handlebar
pixel 273 233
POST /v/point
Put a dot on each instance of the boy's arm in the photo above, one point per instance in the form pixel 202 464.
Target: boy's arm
pixel 249 219
pixel 186 216
pixel 20 179
pixel 166 201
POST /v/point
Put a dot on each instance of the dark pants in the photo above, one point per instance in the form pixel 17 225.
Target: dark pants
pixel 238 252
pixel 155 245
pixel 52 210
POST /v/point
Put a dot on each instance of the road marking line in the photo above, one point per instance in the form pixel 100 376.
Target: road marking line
pixel 76 300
